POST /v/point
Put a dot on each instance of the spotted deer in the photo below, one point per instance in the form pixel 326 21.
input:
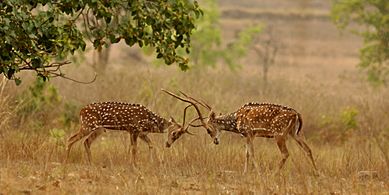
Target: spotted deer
pixel 135 119
pixel 255 120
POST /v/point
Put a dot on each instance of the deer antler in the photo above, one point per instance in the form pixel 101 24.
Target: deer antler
pixel 201 102
pixel 183 120
pixel 190 123
pixel 191 101
pixel 194 120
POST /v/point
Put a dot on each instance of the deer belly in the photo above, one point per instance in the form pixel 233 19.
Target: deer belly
pixel 120 128
pixel 262 128
pixel 263 133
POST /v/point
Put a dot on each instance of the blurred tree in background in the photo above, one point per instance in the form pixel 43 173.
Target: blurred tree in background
pixel 373 17
pixel 39 35
pixel 208 47
pixel 266 48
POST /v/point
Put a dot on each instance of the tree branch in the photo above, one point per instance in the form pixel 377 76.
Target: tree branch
pixel 74 80
pixel 52 65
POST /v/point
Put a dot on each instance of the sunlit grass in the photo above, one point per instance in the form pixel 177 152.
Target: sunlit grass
pixel 32 157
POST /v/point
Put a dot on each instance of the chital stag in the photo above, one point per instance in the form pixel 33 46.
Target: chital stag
pixel 255 120
pixel 136 119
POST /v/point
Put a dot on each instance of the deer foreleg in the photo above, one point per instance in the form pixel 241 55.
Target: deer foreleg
pixel 147 140
pixel 250 152
pixel 134 137
pixel 247 158
pixel 150 144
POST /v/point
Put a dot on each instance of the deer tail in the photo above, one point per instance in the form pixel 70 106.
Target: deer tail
pixel 299 123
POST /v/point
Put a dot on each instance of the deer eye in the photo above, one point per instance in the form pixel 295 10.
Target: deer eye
pixel 174 134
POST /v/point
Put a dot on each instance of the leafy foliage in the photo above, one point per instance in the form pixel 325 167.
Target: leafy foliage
pixel 41 106
pixel 37 100
pixel 207 43
pixel 39 35
pixel 57 135
pixel 349 117
pixel 374 16
pixel 207 47
pixel 240 46
pixel 207 36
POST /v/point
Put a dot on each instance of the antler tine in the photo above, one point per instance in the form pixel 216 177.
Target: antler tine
pixel 208 106
pixel 198 118
pixel 190 124
pixel 188 101
pixel 201 102
pixel 183 120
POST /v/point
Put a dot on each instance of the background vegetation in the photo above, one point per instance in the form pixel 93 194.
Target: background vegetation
pixel 40 35
pixel 345 118
pixel 373 17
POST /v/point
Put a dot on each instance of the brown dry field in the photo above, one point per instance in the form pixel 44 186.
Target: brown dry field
pixel 315 72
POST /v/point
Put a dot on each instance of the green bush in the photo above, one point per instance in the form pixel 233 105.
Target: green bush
pixel 349 117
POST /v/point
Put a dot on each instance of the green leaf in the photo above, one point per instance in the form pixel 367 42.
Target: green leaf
pixel 18 81
pixel 96 43
pixel 130 41
pixel 113 39
pixel 36 62
pixel 183 66
pixel 82 45
pixel 140 43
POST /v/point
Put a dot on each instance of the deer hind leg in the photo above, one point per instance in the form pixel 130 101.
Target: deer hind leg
pixel 305 147
pixel 281 143
pixel 89 140
pixel 150 145
pixel 73 139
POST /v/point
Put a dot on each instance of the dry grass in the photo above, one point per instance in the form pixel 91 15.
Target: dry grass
pixel 345 122
pixel 31 160
pixel 192 165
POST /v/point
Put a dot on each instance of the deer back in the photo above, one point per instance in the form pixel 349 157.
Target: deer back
pixel 269 119
pixel 122 116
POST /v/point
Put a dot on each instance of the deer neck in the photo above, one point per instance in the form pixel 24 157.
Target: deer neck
pixel 226 122
pixel 163 125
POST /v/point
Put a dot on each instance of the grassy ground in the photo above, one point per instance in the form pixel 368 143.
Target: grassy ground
pixel 31 156
pixel 345 123
pixel 192 165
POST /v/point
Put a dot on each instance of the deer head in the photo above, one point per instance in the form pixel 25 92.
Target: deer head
pixel 209 126
pixel 175 130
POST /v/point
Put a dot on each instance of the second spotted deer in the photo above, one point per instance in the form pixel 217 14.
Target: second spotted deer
pixel 254 120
